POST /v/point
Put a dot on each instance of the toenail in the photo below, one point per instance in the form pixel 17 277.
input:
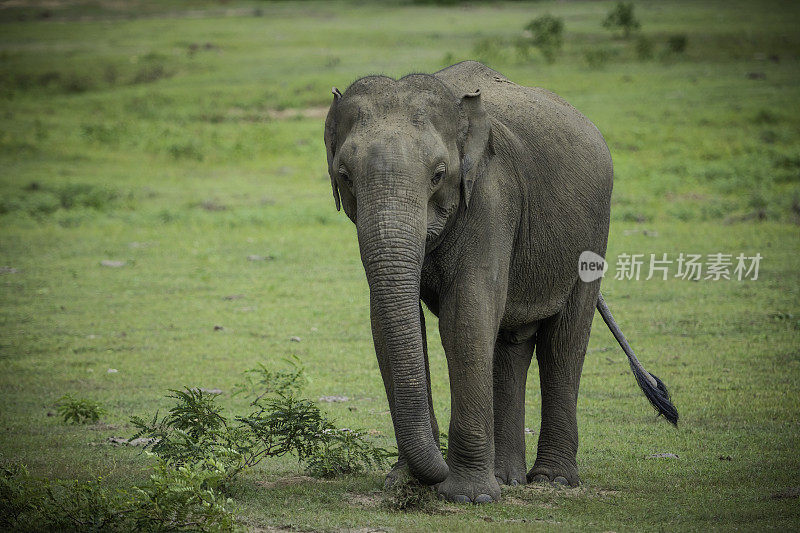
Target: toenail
pixel 561 480
pixel 514 483
pixel 460 498
pixel 483 498
pixel 541 478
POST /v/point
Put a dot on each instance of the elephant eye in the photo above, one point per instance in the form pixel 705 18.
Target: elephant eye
pixel 344 175
pixel 439 174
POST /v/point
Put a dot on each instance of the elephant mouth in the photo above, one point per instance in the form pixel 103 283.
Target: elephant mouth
pixel 436 228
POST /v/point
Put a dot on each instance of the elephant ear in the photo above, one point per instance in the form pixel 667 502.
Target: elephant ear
pixel 477 142
pixel 330 144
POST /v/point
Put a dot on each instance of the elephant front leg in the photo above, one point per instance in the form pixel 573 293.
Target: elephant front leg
pixel 468 330
pixel 512 357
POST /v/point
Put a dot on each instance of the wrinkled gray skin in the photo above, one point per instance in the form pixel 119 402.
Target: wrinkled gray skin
pixel 477 196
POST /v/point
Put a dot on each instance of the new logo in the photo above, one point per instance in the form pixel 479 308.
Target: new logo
pixel 591 266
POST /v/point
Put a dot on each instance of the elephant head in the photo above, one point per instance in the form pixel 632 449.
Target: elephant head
pixel 403 158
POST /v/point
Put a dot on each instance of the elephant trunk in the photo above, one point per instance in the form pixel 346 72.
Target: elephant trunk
pixel 391 236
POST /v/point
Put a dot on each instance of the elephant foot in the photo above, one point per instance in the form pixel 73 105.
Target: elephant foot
pixel 511 476
pixel 469 491
pixel 398 474
pixel 555 475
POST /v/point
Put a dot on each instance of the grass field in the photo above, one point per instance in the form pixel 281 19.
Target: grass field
pixel 184 140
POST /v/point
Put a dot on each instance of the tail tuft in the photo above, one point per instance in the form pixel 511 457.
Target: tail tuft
pixel 653 388
pixel 658 395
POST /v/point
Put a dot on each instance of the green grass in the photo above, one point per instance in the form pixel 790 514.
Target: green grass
pixel 153 133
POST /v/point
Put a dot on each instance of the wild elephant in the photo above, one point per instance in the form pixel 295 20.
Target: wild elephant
pixel 477 196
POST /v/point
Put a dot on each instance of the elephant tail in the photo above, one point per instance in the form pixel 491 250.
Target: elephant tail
pixel 653 388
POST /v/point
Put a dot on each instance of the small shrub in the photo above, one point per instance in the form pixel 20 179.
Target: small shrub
pixel 196 432
pixel 181 498
pixel 101 133
pixel 82 506
pixel 186 150
pixel 344 452
pixel 262 381
pixel 85 195
pixel 40 201
pixel 18 495
pixel 622 18
pixel 644 47
pixel 173 499
pixel 676 44
pixel 151 73
pixel 597 57
pixel 546 35
pixel 79 410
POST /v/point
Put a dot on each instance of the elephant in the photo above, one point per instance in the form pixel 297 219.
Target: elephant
pixel 476 196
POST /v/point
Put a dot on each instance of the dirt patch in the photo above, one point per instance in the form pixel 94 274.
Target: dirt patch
pixel 333 399
pixel 510 500
pixel 287 482
pixel 662 455
pixel 122 441
pixel 544 494
pixel 364 501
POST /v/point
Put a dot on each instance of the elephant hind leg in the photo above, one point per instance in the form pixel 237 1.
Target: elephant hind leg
pixel 512 357
pixel 560 350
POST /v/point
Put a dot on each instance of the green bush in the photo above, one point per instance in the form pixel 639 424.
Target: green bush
pixel 344 452
pixel 173 499
pixel 182 497
pixel 622 18
pixel 676 44
pixel 195 432
pixel 546 35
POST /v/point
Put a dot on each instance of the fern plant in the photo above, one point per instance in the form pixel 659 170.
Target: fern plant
pixel 196 432
pixel 79 410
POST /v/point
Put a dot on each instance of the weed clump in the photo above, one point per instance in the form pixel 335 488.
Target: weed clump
pixel 406 493
pixel 39 201
pixel 79 410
